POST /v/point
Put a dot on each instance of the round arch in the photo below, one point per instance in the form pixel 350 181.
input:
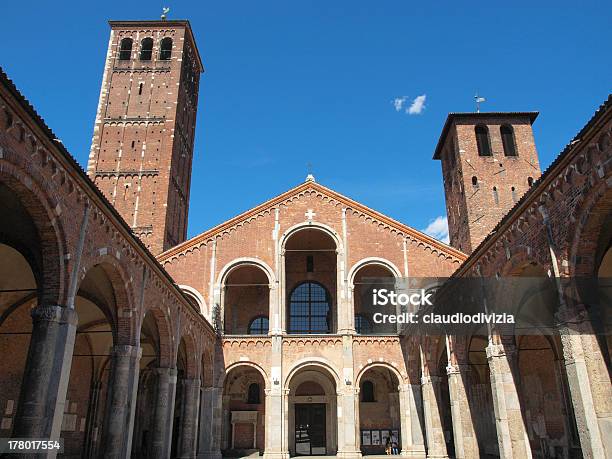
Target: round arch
pixel 192 363
pixel 312 225
pixel 318 362
pixel 198 298
pixel 244 261
pixel 385 365
pixel 376 261
pixel 236 365
pixel 163 330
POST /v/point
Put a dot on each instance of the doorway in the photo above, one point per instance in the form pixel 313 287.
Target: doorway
pixel 310 429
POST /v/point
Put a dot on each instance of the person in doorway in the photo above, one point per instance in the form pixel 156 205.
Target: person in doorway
pixel 394 443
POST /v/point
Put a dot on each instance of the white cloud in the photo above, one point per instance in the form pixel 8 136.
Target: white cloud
pixel 398 103
pixel 417 106
pixel 438 228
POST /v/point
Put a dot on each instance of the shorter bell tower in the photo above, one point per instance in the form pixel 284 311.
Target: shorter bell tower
pixel 489 160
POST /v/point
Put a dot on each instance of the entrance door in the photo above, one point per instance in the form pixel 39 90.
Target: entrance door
pixel 310 429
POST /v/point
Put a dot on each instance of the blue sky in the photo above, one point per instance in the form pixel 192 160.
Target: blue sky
pixel 291 83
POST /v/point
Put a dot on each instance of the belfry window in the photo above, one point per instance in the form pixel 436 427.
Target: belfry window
pixel 165 50
pixel 125 49
pixel 495 195
pixel 475 181
pixel 482 140
pixel 146 49
pixel 507 134
pixel 309 309
pixel 259 326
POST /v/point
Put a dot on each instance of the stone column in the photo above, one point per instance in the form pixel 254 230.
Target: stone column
pixel 511 432
pixel 591 402
pixel 466 442
pixel 436 443
pixel 40 410
pixel 161 441
pixel 411 433
pixel 275 446
pixel 121 401
pixel 189 420
pixel 348 446
pixel 209 420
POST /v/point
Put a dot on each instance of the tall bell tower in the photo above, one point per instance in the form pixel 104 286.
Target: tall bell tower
pixel 142 146
pixel 489 160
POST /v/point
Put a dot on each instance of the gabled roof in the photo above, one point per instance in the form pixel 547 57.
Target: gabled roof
pixel 314 186
pixel 450 119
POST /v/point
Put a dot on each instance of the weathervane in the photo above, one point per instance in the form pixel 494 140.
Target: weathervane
pixel 478 100
pixel 165 11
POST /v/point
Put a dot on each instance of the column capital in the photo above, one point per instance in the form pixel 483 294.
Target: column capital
pixel 430 379
pixel 54 313
pixel 500 350
pixel 457 368
pixel 126 350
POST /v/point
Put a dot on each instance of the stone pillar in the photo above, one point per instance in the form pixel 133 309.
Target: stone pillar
pixel 511 432
pixel 466 442
pixel 209 420
pixel 436 443
pixel 348 440
pixel 591 393
pixel 161 441
pixel 411 433
pixel 40 410
pixel 121 401
pixel 189 420
pixel 275 445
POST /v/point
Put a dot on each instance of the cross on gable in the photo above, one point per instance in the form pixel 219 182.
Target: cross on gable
pixel 310 214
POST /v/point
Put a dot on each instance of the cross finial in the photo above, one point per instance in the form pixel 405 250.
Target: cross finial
pixel 309 177
pixel 165 11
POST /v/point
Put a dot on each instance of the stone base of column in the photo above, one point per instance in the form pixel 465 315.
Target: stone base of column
pixel 349 454
pixel 209 455
pixel 437 456
pixel 276 455
pixel 414 452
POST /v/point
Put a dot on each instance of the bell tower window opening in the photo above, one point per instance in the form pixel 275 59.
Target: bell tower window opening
pixel 165 50
pixel 482 140
pixel 146 49
pixel 507 135
pixel 125 49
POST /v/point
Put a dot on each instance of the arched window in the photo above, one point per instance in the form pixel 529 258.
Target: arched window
pixel 482 140
pixel 367 391
pixel 475 181
pixel 165 49
pixel 125 49
pixel 146 49
pixel 362 325
pixel 309 309
pixel 495 195
pixel 529 181
pixel 507 135
pixel 259 326
pixel 513 190
pixel 253 394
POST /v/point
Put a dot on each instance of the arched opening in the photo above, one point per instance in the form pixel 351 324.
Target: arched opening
pixel 507 135
pixel 86 411
pixel 125 49
pixel 146 49
pixel 246 300
pixel 312 412
pixel 259 326
pixel 542 381
pixel 379 411
pixel 369 279
pixel 475 181
pixel 480 396
pixel 243 412
pixel 165 49
pixel 482 140
pixel 311 282
pixel 147 386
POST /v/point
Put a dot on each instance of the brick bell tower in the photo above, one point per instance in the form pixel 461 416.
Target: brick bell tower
pixel 489 160
pixel 142 146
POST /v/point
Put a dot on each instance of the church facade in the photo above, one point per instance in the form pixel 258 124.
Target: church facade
pixel 127 340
